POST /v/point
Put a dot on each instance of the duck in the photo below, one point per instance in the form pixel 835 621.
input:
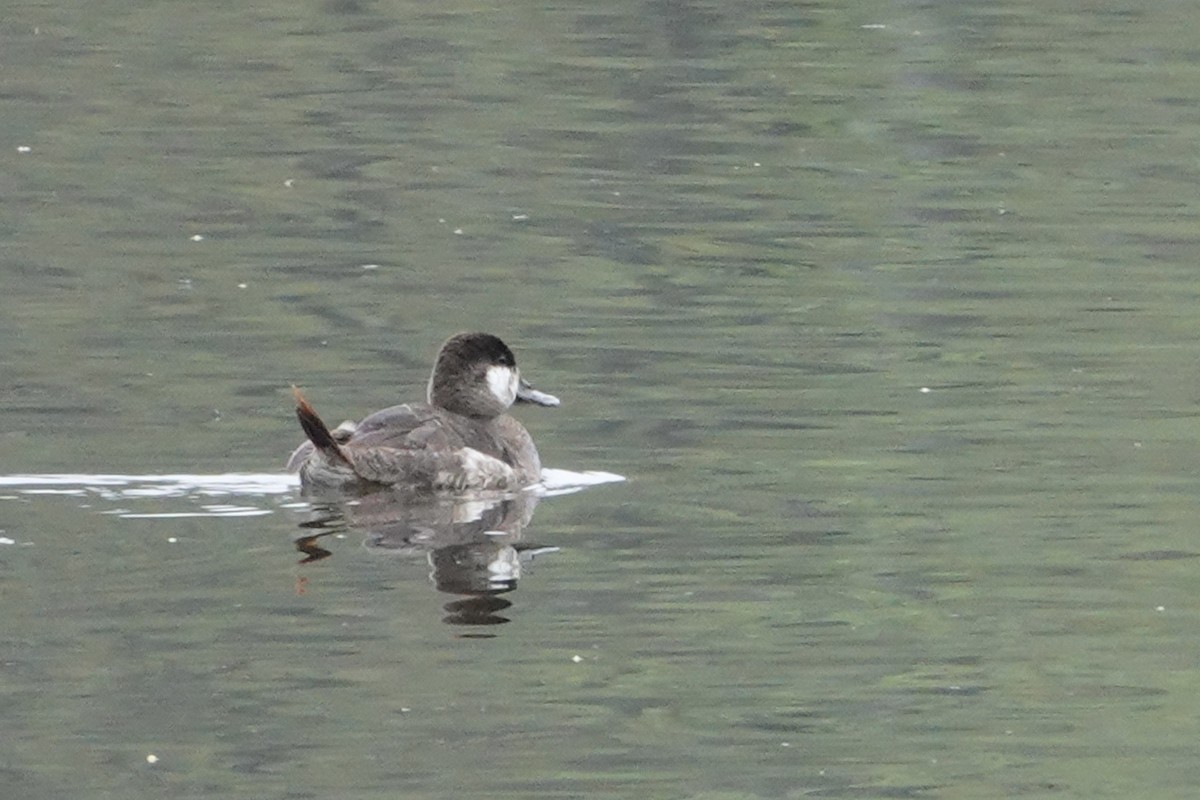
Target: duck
pixel 460 439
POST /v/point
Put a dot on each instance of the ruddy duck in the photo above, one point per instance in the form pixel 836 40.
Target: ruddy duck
pixel 460 439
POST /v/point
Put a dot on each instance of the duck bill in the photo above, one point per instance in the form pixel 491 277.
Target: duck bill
pixel 528 394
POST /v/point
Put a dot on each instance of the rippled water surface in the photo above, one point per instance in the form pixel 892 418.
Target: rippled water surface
pixel 886 313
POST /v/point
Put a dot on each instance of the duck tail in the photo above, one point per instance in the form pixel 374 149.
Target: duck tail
pixel 316 430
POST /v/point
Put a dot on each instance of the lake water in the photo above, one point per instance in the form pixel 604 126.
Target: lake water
pixel 886 312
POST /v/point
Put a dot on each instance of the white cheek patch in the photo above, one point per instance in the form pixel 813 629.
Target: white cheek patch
pixel 502 381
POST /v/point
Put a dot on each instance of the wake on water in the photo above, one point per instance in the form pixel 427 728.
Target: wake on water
pixel 125 488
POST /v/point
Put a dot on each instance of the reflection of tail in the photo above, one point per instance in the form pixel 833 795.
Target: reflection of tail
pixel 316 430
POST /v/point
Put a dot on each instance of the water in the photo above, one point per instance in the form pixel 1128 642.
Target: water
pixel 885 312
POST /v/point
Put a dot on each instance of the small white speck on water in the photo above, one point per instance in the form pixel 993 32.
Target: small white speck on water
pixel 1160 609
pixel 458 231
pixel 925 390
pixel 172 539
pixel 441 221
pixel 290 182
pixel 370 266
pixel 242 285
pixel 24 148
pixel 151 759
pixel 757 164
pixel 6 540
pixel 873 26
pixel 520 217
pixel 577 658
pixel 197 238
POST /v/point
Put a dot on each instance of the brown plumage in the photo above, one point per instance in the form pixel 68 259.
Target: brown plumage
pixel 460 439
pixel 316 430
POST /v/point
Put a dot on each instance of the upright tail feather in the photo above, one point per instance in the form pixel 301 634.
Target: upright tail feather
pixel 316 430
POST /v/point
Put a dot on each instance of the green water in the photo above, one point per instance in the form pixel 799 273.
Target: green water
pixel 888 313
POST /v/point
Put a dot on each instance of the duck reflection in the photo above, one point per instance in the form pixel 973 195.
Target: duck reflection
pixel 474 545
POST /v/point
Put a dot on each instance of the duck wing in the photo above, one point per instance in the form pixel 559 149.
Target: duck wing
pixel 422 446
